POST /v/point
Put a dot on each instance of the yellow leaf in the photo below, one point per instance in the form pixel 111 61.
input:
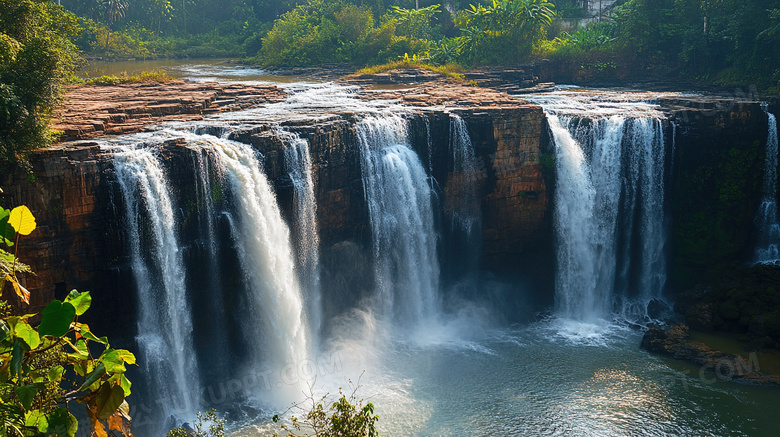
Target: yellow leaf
pixel 98 429
pixel 115 422
pixel 22 292
pixel 22 220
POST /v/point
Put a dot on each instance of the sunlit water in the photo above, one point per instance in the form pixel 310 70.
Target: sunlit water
pixel 199 70
pixel 548 378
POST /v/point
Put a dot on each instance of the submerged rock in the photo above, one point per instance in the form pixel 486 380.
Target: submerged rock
pixel 674 342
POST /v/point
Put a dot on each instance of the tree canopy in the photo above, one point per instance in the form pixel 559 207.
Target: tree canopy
pixel 37 56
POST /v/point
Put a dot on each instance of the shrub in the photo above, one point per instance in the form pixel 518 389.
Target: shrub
pixel 346 416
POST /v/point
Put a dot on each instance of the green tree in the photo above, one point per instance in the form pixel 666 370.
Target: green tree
pixel 505 31
pixel 36 58
pixel 415 23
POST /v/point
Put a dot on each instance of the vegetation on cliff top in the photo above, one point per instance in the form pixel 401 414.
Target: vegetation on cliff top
pixel 37 57
pixel 725 42
pixel 453 71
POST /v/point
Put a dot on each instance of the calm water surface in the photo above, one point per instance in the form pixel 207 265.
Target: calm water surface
pixel 222 70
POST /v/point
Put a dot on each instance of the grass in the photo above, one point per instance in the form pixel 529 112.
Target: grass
pixel 453 71
pixel 158 76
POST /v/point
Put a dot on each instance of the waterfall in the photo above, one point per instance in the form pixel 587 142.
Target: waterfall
pixel 299 168
pixel 609 205
pixel 398 194
pixel 463 202
pixel 262 241
pixel 164 325
pixel 768 249
pixel 467 214
pixel 211 330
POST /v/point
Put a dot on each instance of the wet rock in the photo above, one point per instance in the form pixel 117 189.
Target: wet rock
pixel 674 342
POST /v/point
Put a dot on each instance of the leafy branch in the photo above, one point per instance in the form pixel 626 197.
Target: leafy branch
pixel 44 368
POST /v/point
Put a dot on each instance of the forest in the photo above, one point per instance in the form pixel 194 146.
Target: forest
pixel 713 42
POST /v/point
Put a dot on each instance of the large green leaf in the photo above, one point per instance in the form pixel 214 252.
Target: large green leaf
pixel 125 384
pixel 55 373
pixel 109 398
pixel 7 233
pixel 113 361
pixel 56 318
pixel 126 356
pixel 17 354
pixel 81 301
pixel 26 333
pixel 36 419
pixel 93 376
pixel 62 423
pixel 26 394
pixel 80 349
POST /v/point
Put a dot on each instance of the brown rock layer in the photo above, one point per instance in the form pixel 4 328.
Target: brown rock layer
pixel 92 110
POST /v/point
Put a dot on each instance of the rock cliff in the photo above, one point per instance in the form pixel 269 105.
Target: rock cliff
pixel 715 173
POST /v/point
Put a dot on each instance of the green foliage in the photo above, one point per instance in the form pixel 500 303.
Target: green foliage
pixel 44 369
pixel 216 427
pixel 346 416
pixel 503 32
pixel 415 23
pixel 453 71
pixel 144 76
pixel 36 58
pixel 724 42
pixel 324 31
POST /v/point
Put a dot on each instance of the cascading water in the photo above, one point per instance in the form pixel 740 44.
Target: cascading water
pixel 462 206
pixel 466 215
pixel 299 168
pixel 609 203
pixel 400 207
pixel 262 241
pixel 164 325
pixel 611 162
pixel 768 248
pixel 207 189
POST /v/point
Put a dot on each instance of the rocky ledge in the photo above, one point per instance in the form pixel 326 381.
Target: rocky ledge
pixel 674 342
pixel 440 95
pixel 90 111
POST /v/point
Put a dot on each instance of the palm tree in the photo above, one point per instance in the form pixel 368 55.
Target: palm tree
pixel 114 11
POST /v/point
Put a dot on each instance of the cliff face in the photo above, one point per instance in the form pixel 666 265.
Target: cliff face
pixel 64 250
pixel 715 186
pixel 77 202
pixel 714 190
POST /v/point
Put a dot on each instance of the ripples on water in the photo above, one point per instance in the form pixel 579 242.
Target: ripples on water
pixel 462 377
